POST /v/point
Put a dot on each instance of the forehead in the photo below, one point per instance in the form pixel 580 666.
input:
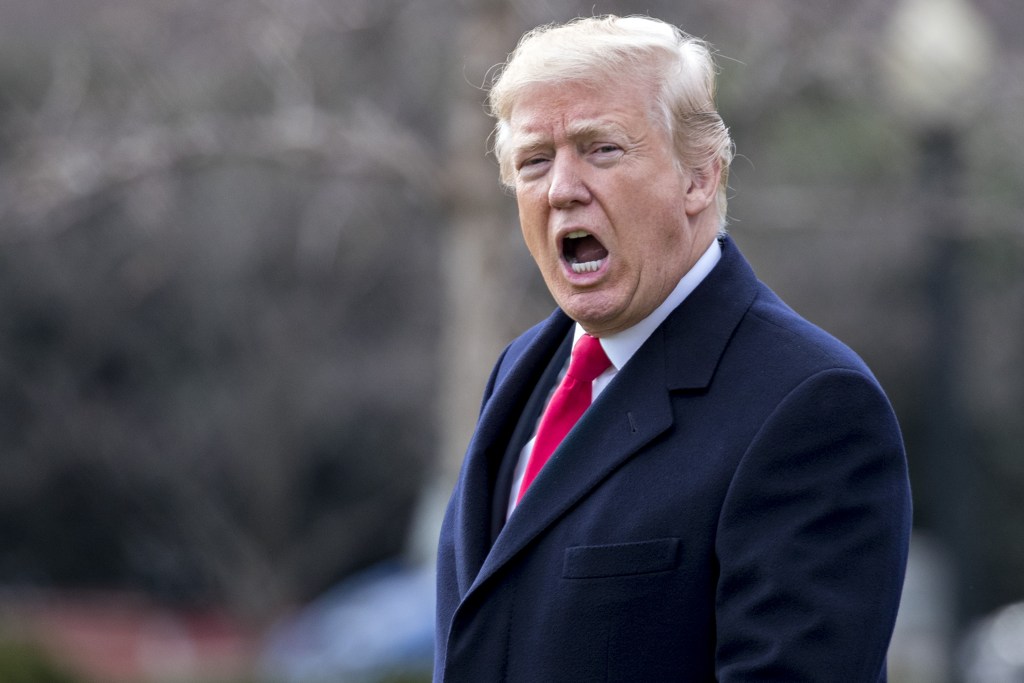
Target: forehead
pixel 580 111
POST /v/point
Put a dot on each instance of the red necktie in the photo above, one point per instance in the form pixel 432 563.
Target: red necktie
pixel 570 400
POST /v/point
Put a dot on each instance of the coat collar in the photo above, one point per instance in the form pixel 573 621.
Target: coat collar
pixel 682 354
pixel 698 331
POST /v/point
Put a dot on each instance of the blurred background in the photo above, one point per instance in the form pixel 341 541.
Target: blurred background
pixel 255 266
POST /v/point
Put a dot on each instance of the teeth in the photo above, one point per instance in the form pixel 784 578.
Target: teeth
pixel 588 267
pixel 576 234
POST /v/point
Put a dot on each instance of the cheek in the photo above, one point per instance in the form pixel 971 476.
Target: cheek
pixel 533 223
pixel 658 241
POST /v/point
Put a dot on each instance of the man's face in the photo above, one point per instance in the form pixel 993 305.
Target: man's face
pixel 611 221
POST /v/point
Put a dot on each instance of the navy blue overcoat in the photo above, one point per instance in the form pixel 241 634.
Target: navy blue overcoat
pixel 734 507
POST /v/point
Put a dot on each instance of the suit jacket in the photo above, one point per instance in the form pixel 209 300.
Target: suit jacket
pixel 733 507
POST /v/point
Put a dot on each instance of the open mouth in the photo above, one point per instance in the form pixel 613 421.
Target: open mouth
pixel 583 252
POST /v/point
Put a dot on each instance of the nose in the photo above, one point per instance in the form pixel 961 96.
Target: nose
pixel 567 185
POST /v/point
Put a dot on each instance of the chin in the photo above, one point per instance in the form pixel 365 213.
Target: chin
pixel 590 317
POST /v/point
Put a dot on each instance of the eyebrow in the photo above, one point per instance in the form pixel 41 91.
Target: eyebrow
pixel 590 129
pixel 528 143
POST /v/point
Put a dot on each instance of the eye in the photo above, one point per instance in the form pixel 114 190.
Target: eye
pixel 532 167
pixel 605 153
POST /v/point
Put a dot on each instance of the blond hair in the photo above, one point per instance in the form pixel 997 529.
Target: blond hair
pixel 598 50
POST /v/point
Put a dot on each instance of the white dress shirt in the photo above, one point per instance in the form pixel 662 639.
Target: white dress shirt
pixel 621 346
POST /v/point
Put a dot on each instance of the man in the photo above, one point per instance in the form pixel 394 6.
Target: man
pixel 733 505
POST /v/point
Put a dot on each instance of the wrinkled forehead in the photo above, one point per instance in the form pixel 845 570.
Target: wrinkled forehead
pixel 582 108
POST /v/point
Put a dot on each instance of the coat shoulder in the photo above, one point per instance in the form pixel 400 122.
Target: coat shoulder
pixel 787 338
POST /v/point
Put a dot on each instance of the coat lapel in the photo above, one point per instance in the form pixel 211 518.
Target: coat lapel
pixel 525 426
pixel 615 428
pixel 635 408
pixel 501 411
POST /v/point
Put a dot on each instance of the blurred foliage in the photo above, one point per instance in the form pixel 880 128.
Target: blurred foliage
pixel 25 663
pixel 209 387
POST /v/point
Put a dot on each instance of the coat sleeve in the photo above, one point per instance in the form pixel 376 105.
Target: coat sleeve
pixel 812 539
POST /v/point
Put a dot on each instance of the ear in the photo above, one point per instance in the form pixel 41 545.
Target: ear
pixel 702 187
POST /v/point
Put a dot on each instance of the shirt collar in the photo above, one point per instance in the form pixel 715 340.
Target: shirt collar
pixel 621 346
